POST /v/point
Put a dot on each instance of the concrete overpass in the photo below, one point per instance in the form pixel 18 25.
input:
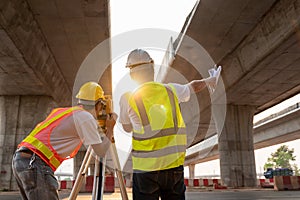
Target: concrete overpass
pixel 42 46
pixel 44 42
pixel 257 44
pixel 282 127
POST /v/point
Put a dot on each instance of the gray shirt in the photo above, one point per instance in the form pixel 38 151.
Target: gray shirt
pixel 81 126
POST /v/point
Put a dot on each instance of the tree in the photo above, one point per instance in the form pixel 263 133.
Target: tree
pixel 296 170
pixel 281 158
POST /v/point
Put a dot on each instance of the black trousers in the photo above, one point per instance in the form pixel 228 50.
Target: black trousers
pixel 166 184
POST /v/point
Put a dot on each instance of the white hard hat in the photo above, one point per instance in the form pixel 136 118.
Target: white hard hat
pixel 138 57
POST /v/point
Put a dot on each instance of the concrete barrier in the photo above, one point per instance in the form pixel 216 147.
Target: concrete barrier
pixel 266 183
pixel 66 184
pixel 109 185
pixel 218 186
pixel 87 184
pixel 286 183
pixel 128 183
pixel 201 182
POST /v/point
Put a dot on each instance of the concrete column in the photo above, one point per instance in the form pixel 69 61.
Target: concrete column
pixel 78 162
pixel 18 116
pixel 92 169
pixel 236 149
pixel 192 171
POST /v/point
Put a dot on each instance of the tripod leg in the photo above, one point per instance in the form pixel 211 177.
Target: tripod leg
pixel 115 158
pixel 99 178
pixel 96 175
pixel 81 174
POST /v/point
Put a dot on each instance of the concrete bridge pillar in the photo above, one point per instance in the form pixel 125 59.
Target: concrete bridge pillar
pixel 91 169
pixel 237 161
pixel 192 171
pixel 78 162
pixel 18 116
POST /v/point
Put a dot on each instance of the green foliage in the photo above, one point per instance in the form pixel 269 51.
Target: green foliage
pixel 281 158
pixel 268 165
pixel 296 170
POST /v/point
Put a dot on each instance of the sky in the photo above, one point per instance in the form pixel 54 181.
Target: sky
pixel 132 15
pixel 170 15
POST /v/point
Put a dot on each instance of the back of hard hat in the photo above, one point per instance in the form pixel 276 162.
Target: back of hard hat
pixel 138 57
pixel 90 93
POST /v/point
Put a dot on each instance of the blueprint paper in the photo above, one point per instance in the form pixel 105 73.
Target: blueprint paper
pixel 214 72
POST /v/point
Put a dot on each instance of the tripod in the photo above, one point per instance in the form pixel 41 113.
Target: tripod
pixel 81 174
pixel 99 167
pixel 100 163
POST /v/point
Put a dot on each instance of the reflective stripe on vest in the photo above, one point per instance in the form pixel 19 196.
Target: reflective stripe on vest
pixel 161 141
pixel 44 149
pixel 54 162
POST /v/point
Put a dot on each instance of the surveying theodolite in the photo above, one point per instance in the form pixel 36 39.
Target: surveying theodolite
pixel 100 163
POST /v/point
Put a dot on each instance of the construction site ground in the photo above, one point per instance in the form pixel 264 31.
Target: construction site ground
pixel 194 193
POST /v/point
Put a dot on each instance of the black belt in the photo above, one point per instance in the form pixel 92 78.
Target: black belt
pixel 25 150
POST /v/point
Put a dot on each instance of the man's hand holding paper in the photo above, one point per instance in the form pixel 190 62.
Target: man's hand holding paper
pixel 212 80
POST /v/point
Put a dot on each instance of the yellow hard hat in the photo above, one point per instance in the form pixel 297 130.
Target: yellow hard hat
pixel 138 57
pixel 90 93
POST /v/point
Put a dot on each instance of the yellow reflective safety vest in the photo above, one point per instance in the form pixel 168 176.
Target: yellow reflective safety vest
pixel 38 140
pixel 160 142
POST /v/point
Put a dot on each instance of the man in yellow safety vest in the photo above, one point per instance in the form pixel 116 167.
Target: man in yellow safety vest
pixel 159 141
pixel 58 138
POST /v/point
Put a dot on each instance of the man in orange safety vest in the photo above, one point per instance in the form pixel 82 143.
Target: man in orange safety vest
pixel 57 138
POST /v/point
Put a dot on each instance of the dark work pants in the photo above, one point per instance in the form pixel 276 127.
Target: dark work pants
pixel 167 184
pixel 36 181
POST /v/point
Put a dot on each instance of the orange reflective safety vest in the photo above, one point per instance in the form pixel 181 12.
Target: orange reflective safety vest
pixel 160 142
pixel 38 140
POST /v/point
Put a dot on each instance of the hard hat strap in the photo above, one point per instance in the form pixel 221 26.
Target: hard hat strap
pixel 90 103
pixel 130 66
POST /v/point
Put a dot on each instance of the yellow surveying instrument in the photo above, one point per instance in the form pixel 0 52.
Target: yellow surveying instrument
pixel 100 163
